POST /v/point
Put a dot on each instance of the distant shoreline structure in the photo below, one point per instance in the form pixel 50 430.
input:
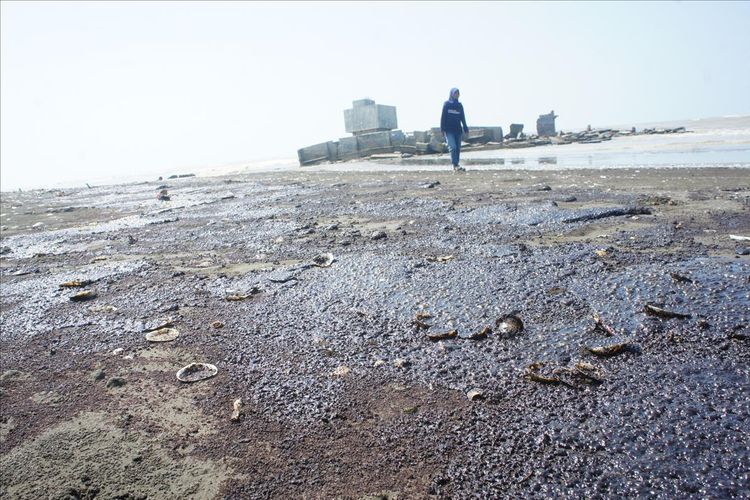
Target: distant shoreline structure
pixel 734 127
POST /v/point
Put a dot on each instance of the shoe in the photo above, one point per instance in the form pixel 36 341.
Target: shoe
pixel 459 168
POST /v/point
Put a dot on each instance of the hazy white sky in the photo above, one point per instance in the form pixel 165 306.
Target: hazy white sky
pixel 95 89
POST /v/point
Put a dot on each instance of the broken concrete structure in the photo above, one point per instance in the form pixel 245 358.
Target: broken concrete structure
pixel 516 130
pixel 366 117
pixel 545 125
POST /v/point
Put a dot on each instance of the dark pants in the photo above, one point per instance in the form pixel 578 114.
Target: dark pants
pixel 454 145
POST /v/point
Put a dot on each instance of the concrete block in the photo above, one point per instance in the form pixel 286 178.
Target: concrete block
pixel 368 143
pixel 325 151
pixel 420 136
pixel 515 130
pixel 545 125
pixel 397 138
pixel 348 148
pixel 365 116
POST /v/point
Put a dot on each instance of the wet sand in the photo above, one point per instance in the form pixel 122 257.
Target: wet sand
pixel 347 391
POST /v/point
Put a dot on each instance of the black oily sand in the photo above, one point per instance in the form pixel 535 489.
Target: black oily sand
pixel 344 392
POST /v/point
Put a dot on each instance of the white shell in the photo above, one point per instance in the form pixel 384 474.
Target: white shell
pixel 323 260
pixel 162 335
pixel 196 371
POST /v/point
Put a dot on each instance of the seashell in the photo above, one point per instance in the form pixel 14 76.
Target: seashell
pixel 439 258
pixel 323 260
pixel 653 310
pixel 236 410
pixel 401 363
pixel 162 335
pixel 608 350
pixel 443 336
pixel 588 371
pixel 341 371
pixel 84 295
pixel 75 284
pixel 532 373
pixel 423 315
pixel 509 325
pixel 217 324
pixel 475 394
pixel 481 335
pixel 103 309
pixel 421 325
pixel 196 371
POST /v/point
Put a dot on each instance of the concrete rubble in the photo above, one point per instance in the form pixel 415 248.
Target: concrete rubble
pixel 375 135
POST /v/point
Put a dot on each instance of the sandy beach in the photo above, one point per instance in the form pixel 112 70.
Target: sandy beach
pixel 503 333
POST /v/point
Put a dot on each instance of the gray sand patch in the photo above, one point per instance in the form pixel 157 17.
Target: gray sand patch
pixel 67 456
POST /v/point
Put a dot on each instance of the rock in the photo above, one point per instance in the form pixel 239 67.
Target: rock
pixel 742 250
pixel 5 250
pixel 378 235
pixel 98 375
pixel 115 382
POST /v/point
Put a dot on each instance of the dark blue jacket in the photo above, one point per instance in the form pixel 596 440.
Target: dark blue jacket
pixel 453 117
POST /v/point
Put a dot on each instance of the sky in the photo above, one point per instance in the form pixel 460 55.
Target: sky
pixel 94 90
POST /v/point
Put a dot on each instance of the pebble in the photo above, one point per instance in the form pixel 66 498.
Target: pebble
pixel 115 382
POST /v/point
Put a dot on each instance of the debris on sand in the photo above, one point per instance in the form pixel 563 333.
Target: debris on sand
pixel 115 382
pixel 235 296
pixel 607 351
pixel 163 195
pixel 236 410
pixel 323 260
pixel 421 325
pixel 83 296
pixel 481 334
pixel 580 372
pixel 217 325
pixel 533 373
pixel 378 235
pixel 509 325
pixel 341 371
pixel 162 335
pixel 75 284
pixel 654 310
pixel 401 363
pixel 737 237
pixel 443 336
pixel 679 278
pixel 617 212
pixel 475 394
pixel 600 326
pixel 196 371
pixel 439 258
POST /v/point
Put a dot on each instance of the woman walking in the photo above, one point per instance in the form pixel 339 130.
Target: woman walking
pixel 453 125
